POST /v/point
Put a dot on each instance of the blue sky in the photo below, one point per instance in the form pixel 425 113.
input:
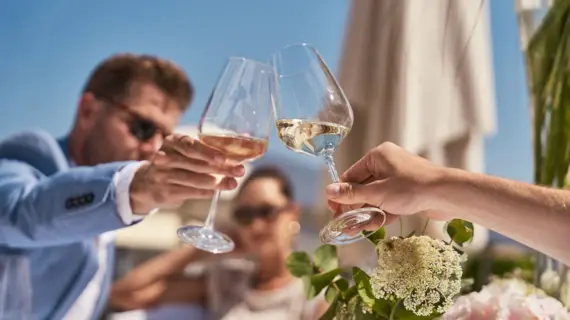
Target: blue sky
pixel 49 47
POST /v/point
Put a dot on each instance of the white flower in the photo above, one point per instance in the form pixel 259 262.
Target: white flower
pixel 511 299
pixel 423 272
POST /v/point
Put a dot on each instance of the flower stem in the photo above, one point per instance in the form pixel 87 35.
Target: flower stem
pixel 425 227
pixel 336 287
pixel 393 311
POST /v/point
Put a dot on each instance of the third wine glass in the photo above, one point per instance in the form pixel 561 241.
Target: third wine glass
pixel 237 121
pixel 312 117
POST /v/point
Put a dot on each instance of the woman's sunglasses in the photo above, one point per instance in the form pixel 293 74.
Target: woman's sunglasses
pixel 245 215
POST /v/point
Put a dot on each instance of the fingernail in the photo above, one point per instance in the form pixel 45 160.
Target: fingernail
pixel 232 184
pixel 333 190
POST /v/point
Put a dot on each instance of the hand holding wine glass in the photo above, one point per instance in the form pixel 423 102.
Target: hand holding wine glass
pixel 313 117
pixel 237 121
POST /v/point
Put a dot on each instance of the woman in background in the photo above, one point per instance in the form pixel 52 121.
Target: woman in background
pixel 266 219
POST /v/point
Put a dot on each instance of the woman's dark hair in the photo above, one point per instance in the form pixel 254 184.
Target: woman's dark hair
pixel 270 172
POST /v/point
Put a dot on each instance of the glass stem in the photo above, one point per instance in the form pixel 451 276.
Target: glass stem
pixel 209 224
pixel 334 175
pixel 331 167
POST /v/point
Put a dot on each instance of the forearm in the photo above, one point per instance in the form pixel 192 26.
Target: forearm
pixel 173 290
pixel 73 205
pixel 157 269
pixel 536 216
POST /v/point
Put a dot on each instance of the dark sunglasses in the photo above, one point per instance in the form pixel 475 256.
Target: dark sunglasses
pixel 245 215
pixel 141 128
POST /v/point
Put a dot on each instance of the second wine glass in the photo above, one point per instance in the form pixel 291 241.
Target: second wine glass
pixel 313 117
pixel 237 121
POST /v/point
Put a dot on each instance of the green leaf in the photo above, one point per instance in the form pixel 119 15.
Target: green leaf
pixel 322 280
pixel 460 231
pixel 316 283
pixel 401 313
pixel 331 294
pixel 331 310
pixel 382 307
pixel 310 291
pixel 325 258
pixel 360 315
pixel 342 284
pixel 299 264
pixel 351 292
pixel 363 286
pixel 375 236
pixel 333 290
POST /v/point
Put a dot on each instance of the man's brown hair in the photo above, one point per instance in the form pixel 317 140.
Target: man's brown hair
pixel 114 76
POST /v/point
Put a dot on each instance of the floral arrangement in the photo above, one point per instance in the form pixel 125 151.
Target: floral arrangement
pixel 417 277
pixel 507 299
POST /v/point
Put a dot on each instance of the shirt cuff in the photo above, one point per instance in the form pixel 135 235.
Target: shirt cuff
pixel 122 181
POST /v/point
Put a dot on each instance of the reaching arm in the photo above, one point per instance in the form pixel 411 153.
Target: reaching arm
pixel 73 205
pixel 538 217
pixel 159 280
pixel 158 268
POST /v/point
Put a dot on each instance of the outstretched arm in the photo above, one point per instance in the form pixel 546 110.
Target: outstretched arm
pixel 76 204
pixel 159 280
pixel 538 217
pixel 402 184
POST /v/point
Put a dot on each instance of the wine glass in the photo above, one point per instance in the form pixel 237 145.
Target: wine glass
pixel 312 117
pixel 237 120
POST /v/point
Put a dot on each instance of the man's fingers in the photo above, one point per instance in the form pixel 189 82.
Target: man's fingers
pixel 178 192
pixel 352 193
pixel 227 183
pixel 176 160
pixel 175 194
pixel 194 148
pixel 198 180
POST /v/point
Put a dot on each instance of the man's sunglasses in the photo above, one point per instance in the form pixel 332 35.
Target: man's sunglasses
pixel 141 128
pixel 245 215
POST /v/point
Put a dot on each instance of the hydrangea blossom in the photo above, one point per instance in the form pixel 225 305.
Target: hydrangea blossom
pixel 423 272
pixel 509 299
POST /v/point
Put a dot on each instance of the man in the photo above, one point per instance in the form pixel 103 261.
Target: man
pixel 402 184
pixel 58 196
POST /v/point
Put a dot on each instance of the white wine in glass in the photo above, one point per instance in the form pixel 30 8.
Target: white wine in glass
pixel 313 117
pixel 310 137
pixel 237 121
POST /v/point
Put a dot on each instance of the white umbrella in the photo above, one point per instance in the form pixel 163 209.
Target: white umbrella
pixel 419 74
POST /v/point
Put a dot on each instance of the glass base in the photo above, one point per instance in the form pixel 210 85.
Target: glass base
pixel 334 232
pixel 206 239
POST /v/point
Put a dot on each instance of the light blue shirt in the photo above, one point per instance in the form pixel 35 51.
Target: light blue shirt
pixel 50 215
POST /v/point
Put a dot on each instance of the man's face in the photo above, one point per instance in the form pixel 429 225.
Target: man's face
pixel 132 129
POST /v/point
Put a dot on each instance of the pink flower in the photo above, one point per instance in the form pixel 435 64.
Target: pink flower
pixel 507 300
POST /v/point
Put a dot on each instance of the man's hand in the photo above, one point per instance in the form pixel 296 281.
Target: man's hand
pixel 184 168
pixel 390 178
